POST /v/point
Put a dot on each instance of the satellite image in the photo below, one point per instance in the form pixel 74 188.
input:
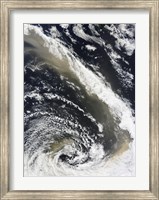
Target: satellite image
pixel 79 100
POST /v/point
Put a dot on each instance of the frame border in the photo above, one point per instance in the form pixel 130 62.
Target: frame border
pixel 6 6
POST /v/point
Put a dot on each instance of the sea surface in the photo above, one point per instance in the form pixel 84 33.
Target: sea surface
pixel 79 100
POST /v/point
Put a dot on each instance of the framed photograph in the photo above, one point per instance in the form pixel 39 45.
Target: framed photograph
pixel 79 99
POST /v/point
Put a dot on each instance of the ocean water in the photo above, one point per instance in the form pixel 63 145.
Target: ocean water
pixel 79 99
